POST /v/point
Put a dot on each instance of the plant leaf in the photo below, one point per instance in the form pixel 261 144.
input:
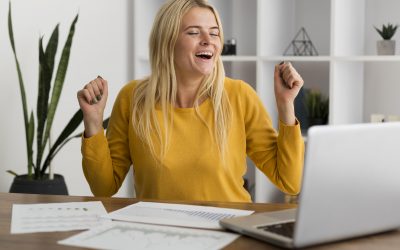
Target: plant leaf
pixel 387 31
pixel 51 49
pixel 46 66
pixel 21 86
pixel 30 136
pixel 59 81
pixel 12 172
pixel 60 142
pixel 41 106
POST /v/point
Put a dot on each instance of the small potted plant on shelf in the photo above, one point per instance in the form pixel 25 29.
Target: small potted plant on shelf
pixel 386 46
pixel 37 180
pixel 317 107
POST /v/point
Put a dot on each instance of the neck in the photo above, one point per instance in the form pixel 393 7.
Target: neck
pixel 187 91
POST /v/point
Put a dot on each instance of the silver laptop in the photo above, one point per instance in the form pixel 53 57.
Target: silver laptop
pixel 351 187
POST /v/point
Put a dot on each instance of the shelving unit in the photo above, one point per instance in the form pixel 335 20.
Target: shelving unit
pixel 347 68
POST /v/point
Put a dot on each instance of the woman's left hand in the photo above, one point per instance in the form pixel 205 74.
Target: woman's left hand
pixel 287 84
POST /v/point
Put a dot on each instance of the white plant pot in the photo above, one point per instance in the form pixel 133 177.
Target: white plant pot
pixel 386 47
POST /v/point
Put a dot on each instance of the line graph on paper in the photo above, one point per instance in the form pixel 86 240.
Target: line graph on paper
pixel 123 235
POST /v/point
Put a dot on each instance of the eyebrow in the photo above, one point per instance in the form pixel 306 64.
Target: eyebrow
pixel 199 27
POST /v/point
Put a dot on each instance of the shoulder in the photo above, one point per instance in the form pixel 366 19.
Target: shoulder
pixel 126 92
pixel 243 98
pixel 128 88
pixel 125 95
pixel 238 89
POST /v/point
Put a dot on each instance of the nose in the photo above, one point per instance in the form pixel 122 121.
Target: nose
pixel 205 39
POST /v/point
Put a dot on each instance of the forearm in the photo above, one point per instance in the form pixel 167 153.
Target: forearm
pixel 283 162
pixel 92 126
pixel 287 113
pixel 97 165
pixel 290 158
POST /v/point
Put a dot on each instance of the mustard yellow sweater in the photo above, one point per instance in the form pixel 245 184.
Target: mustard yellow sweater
pixel 192 169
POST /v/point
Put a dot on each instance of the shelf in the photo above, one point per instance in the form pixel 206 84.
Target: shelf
pixel 296 58
pixel 371 58
pixel 239 58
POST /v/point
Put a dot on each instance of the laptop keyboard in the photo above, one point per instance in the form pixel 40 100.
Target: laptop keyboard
pixel 285 229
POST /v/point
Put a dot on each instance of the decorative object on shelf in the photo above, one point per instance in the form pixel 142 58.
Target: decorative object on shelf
pixel 45 112
pixel 301 45
pixel 382 118
pixel 386 46
pixel 229 47
pixel 317 107
pixel 393 118
pixel 377 118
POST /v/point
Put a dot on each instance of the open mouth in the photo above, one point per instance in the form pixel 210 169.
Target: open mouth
pixel 204 55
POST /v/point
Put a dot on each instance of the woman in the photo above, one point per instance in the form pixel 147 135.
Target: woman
pixel 187 129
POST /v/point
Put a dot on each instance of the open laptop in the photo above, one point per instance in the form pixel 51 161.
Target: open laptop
pixel 351 188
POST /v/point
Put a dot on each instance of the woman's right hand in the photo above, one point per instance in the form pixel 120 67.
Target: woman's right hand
pixel 92 101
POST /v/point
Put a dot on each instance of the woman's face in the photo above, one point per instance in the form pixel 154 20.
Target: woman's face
pixel 198 43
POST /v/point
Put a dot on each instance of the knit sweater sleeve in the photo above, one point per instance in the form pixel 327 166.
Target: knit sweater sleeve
pixel 279 156
pixel 106 158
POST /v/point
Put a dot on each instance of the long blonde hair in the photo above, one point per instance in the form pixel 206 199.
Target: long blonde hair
pixel 160 88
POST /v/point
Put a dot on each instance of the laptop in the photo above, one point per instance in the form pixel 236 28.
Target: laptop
pixel 351 188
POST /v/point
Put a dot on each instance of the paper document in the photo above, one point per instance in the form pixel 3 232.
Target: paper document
pixel 123 235
pixel 175 214
pixel 50 217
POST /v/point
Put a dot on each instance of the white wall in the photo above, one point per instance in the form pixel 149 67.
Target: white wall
pixel 101 46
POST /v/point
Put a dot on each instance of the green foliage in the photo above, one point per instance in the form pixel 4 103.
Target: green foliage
pixel 45 111
pixel 387 31
pixel 317 106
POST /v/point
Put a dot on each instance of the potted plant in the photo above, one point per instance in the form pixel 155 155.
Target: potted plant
pixel 36 180
pixel 386 46
pixel 317 107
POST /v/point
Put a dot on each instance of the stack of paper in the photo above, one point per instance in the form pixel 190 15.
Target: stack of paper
pixel 147 225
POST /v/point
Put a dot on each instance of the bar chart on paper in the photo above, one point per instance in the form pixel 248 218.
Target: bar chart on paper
pixel 124 235
pixel 175 214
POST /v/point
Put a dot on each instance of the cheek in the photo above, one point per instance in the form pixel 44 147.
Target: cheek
pixel 218 47
pixel 182 48
pixel 179 52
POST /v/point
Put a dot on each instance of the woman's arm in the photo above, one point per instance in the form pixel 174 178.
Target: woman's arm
pixel 279 156
pixel 105 160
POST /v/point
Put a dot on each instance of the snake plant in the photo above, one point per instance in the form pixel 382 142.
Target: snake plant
pixel 46 104
pixel 387 31
pixel 317 105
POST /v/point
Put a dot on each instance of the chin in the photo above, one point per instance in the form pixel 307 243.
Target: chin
pixel 206 72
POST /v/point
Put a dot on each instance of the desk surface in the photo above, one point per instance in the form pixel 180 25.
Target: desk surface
pixel 390 240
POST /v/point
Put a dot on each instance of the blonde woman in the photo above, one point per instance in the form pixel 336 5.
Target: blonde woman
pixel 187 129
